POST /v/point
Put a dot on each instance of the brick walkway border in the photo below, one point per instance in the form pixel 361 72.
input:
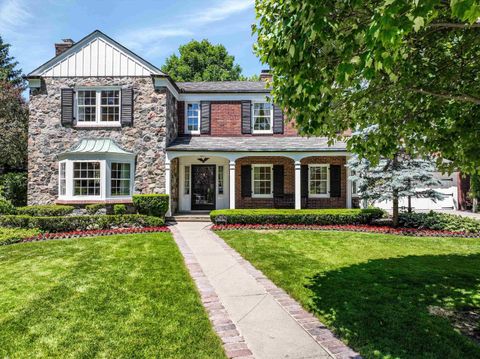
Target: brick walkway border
pixel 316 329
pixel 233 342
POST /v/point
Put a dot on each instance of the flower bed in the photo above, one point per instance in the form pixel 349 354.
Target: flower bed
pixel 94 233
pixel 351 228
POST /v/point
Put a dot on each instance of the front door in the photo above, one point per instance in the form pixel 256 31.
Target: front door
pixel 203 187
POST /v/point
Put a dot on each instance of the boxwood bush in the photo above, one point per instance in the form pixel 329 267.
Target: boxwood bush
pixel 45 210
pixel 151 204
pixel 79 223
pixel 6 207
pixel 292 216
pixel 94 208
pixel 14 235
pixel 441 221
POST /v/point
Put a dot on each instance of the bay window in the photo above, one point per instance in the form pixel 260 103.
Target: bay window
pixel 262 181
pixel 86 178
pixel 262 117
pixel 98 107
pixel 120 179
pixel 318 181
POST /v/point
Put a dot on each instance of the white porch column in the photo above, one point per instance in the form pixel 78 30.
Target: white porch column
pixel 349 188
pixel 232 184
pixel 298 180
pixel 168 188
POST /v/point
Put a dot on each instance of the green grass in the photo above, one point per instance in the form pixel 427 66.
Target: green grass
pixel 13 235
pixel 374 290
pixel 122 296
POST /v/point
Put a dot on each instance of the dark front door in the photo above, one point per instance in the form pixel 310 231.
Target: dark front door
pixel 203 187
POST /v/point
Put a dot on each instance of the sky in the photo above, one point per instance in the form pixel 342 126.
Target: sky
pixel 153 29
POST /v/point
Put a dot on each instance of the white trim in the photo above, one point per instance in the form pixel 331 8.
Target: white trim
pixel 298 183
pixel 187 131
pixel 323 195
pixel 197 97
pixel 253 181
pixel 98 107
pixel 252 120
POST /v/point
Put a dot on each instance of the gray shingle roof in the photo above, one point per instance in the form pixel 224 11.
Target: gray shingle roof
pixel 255 144
pixel 223 86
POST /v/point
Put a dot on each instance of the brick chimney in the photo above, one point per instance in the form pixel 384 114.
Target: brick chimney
pixel 61 47
pixel 265 75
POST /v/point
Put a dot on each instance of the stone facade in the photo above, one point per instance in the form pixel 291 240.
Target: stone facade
pixel 154 126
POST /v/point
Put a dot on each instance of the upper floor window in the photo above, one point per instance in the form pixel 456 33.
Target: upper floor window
pixel 318 181
pixel 192 118
pixel 98 106
pixel 262 117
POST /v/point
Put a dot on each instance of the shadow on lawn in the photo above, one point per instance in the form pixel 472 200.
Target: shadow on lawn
pixel 381 306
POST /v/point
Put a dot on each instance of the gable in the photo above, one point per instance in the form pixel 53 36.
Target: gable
pixel 96 55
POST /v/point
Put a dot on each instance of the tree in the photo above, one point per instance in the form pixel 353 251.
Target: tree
pixel 400 177
pixel 8 71
pixel 410 67
pixel 13 126
pixel 202 61
pixel 474 192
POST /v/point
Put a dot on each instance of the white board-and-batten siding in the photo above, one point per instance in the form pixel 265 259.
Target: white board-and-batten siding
pixel 97 58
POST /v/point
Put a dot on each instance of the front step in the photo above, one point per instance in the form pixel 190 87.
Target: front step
pixel 189 218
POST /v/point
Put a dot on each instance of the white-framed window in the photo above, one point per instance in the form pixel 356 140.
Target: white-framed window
pixel 262 117
pixel 262 181
pixel 186 180
pixel 221 182
pixel 86 178
pixel 98 107
pixel 319 180
pixel 192 118
pixel 120 179
pixel 62 179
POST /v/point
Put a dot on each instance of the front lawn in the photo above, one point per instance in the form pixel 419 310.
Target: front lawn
pixel 122 296
pixel 380 293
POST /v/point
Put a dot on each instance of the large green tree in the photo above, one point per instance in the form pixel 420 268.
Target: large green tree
pixel 202 61
pixel 409 66
pixel 8 66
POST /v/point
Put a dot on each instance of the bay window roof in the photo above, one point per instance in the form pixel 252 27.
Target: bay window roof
pixel 97 146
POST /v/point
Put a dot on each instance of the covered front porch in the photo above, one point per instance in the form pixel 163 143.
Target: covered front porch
pixel 204 180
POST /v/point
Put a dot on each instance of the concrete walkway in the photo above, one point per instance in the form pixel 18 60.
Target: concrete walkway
pixel 269 330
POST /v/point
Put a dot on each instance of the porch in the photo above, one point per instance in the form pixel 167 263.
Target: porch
pixel 199 179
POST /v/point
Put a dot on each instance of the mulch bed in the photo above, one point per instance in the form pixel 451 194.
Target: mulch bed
pixel 94 233
pixel 417 232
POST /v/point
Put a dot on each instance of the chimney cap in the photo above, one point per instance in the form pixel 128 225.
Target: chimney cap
pixel 68 41
pixel 266 71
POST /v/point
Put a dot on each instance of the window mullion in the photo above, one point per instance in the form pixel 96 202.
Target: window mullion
pixel 98 105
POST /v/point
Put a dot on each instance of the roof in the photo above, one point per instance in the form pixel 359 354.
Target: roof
pixel 256 144
pixel 87 39
pixel 97 145
pixel 224 86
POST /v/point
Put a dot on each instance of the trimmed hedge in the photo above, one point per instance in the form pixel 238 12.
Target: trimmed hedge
pixel 292 216
pixel 119 209
pixel 80 223
pixel 94 208
pixel 13 186
pixel 151 204
pixel 14 235
pixel 45 210
pixel 6 207
pixel 439 221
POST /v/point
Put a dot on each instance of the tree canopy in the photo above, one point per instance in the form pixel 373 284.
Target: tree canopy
pixel 202 61
pixel 8 66
pixel 409 67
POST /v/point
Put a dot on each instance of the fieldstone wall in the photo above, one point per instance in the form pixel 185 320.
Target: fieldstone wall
pixel 154 125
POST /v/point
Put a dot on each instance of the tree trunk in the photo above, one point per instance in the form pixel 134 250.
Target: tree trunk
pixel 395 210
pixel 409 204
pixel 474 205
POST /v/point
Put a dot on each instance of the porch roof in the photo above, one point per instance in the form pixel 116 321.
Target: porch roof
pixel 255 144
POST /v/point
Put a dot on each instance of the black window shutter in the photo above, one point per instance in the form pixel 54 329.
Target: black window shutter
pixel 126 115
pixel 335 181
pixel 67 107
pixel 246 181
pixel 304 180
pixel 205 117
pixel 246 117
pixel 278 180
pixel 277 120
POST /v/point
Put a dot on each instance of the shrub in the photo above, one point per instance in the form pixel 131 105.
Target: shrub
pixel 6 207
pixel 94 208
pixel 45 210
pixel 439 221
pixel 292 216
pixel 119 209
pixel 14 235
pixel 151 204
pixel 80 223
pixel 14 188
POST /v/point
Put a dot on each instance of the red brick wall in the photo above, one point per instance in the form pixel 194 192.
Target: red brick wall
pixel 226 120
pixel 289 182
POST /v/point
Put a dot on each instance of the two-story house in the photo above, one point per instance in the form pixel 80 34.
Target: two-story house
pixel 105 124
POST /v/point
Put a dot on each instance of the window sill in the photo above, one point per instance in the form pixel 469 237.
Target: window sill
pixel 260 196
pixel 262 132
pixel 91 201
pixel 318 196
pixel 98 125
